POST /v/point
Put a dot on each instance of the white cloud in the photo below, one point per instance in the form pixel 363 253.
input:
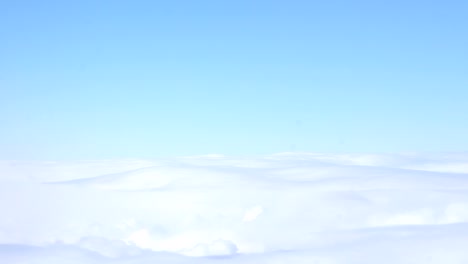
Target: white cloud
pixel 252 214
pixel 289 207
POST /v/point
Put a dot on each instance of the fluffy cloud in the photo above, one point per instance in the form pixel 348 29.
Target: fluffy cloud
pixel 289 207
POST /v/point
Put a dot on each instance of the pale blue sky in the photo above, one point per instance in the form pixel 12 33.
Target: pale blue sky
pixel 112 79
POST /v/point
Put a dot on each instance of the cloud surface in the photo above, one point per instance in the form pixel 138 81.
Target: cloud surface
pixel 288 207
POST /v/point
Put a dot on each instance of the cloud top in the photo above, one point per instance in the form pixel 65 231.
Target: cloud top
pixel 298 207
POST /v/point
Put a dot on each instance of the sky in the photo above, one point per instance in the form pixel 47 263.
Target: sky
pixel 121 79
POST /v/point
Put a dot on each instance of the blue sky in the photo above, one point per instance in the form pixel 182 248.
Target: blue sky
pixel 114 79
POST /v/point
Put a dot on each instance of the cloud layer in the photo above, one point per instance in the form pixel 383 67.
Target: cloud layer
pixel 289 207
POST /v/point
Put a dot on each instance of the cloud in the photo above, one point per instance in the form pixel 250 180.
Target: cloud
pixel 288 207
pixel 252 214
pixel 218 247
